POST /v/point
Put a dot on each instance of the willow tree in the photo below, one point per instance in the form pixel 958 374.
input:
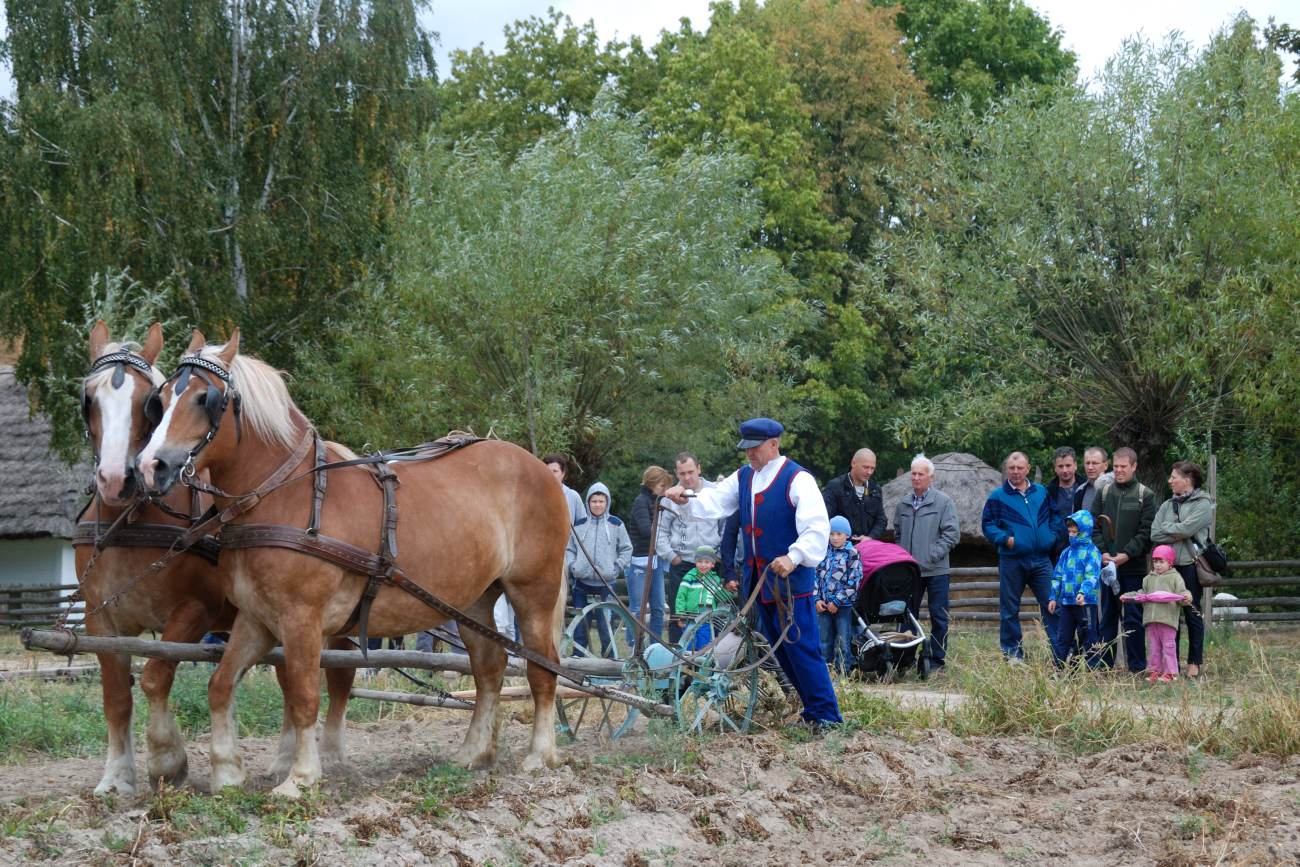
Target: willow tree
pixel 239 153
pixel 1121 257
pixel 584 296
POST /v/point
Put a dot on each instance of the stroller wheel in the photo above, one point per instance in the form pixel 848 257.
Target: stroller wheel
pixel 885 671
pixel 923 668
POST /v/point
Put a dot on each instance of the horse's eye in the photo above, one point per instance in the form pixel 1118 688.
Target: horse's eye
pixel 203 398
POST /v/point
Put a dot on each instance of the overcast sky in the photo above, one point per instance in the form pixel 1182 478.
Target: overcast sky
pixel 1093 29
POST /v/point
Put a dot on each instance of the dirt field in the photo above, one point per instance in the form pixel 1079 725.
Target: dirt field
pixel 666 800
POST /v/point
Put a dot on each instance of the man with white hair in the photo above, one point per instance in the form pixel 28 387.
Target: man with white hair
pixel 926 524
pixel 855 496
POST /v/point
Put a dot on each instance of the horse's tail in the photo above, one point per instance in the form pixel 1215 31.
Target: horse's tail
pixel 561 604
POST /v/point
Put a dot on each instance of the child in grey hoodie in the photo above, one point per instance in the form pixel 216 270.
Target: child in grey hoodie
pixel 605 540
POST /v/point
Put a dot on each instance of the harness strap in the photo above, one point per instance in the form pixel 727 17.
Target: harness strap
pixel 144 536
pixel 318 494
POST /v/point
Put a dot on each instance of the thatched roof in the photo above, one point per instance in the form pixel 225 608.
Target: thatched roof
pixel 39 495
pixel 965 478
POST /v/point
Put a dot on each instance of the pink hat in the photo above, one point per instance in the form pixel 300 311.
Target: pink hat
pixel 1164 552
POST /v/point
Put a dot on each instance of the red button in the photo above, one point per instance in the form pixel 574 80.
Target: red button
pixel 758 498
pixel 758 531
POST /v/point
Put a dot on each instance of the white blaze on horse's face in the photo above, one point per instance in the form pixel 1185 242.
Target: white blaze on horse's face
pixel 116 420
pixel 147 462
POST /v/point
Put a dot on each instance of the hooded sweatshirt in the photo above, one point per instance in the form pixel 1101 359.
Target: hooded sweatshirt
pixel 605 539
pixel 1079 567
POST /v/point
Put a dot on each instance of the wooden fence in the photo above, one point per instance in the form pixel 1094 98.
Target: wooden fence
pixel 36 605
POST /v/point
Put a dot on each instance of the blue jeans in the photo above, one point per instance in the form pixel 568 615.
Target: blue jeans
pixel 937 587
pixel 584 595
pixel 1014 575
pixel 836 632
pixel 635 589
pixel 1135 641
pixel 1077 621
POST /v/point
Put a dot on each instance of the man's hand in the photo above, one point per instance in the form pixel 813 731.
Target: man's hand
pixel 1119 559
pixel 821 606
pixel 860 538
pixel 1051 607
pixel 832 607
pixel 677 494
pixel 676 560
pixel 782 565
pixel 1011 543
pixel 733 586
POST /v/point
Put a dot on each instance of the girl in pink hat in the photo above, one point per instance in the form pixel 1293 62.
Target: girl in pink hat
pixel 1161 618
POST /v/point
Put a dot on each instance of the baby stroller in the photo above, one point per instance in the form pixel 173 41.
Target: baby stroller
pixel 890 579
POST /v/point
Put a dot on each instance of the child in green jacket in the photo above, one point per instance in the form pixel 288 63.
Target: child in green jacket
pixel 699 592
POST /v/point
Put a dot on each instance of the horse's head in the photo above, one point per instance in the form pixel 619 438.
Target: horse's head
pixel 113 398
pixel 188 411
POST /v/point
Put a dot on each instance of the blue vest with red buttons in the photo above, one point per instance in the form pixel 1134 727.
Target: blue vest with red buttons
pixel 768 533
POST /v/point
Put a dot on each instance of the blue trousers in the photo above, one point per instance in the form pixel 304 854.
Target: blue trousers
pixel 636 587
pixel 703 635
pixel 800 657
pixel 1135 642
pixel 1014 575
pixel 584 595
pixel 836 633
pixel 1077 621
pixel 937 587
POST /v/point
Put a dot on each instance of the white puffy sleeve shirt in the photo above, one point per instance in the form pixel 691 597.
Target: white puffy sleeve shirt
pixel 810 519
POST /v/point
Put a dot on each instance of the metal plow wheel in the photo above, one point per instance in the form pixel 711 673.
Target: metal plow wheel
pixel 609 718
pixel 719 691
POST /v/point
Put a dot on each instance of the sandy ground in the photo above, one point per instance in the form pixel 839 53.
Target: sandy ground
pixel 736 800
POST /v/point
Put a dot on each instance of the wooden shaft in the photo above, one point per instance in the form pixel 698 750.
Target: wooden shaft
pixel 65 643
pixel 413 698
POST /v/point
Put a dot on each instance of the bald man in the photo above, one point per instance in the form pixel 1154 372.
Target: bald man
pixel 856 497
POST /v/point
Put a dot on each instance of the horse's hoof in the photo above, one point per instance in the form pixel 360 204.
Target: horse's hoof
pixel 280 766
pixel 335 759
pixel 287 789
pixel 222 778
pixel 537 762
pixel 121 787
pixel 175 779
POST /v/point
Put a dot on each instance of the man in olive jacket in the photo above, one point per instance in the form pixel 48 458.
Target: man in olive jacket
pixel 1130 508
pixel 926 525
pixel 856 497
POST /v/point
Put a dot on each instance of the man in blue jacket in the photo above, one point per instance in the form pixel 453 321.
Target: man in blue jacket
pixel 1023 524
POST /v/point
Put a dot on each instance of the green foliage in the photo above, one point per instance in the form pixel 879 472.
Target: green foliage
pixel 1121 258
pixel 243 166
pixel 569 299
pixel 45 717
pixel 978 50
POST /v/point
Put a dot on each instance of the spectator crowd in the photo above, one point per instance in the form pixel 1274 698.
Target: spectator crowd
pixel 1091 547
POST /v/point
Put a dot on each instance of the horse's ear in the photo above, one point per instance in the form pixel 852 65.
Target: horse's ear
pixel 197 342
pixel 230 350
pixel 98 339
pixel 152 343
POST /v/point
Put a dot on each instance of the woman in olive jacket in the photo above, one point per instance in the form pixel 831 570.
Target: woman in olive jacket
pixel 1183 521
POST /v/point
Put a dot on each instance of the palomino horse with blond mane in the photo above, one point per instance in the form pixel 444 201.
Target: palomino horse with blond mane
pixel 477 522
pixel 182 601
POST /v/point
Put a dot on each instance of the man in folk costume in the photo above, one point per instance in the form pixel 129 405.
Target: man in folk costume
pixel 785 529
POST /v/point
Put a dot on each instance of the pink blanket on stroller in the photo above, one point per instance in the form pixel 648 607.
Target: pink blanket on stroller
pixel 879 554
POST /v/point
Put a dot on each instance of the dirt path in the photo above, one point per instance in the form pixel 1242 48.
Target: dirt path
pixel 734 800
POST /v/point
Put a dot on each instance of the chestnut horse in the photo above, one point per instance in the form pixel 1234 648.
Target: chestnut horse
pixel 184 600
pixel 480 521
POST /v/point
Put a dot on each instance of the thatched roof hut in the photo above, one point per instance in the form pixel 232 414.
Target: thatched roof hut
pixel 39 495
pixel 965 478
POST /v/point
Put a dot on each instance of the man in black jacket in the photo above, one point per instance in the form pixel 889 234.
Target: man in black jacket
pixel 855 496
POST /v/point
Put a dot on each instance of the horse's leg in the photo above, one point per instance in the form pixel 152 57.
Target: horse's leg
pixel 487 661
pixel 288 734
pixel 165 755
pixel 301 701
pixel 119 769
pixel 334 748
pixel 249 642
pixel 539 625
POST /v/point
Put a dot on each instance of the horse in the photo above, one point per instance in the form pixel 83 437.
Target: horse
pixel 183 601
pixel 480 521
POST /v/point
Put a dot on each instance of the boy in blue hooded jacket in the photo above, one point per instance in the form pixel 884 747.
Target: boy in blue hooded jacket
pixel 1074 593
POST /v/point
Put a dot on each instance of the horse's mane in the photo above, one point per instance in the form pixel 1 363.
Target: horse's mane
pixel 266 404
pixel 104 376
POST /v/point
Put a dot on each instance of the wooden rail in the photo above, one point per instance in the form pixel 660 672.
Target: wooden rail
pixel 35 604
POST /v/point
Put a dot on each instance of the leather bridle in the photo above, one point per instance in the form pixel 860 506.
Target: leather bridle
pixel 214 402
pixel 120 360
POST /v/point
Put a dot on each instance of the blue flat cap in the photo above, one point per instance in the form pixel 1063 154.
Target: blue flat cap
pixel 757 431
